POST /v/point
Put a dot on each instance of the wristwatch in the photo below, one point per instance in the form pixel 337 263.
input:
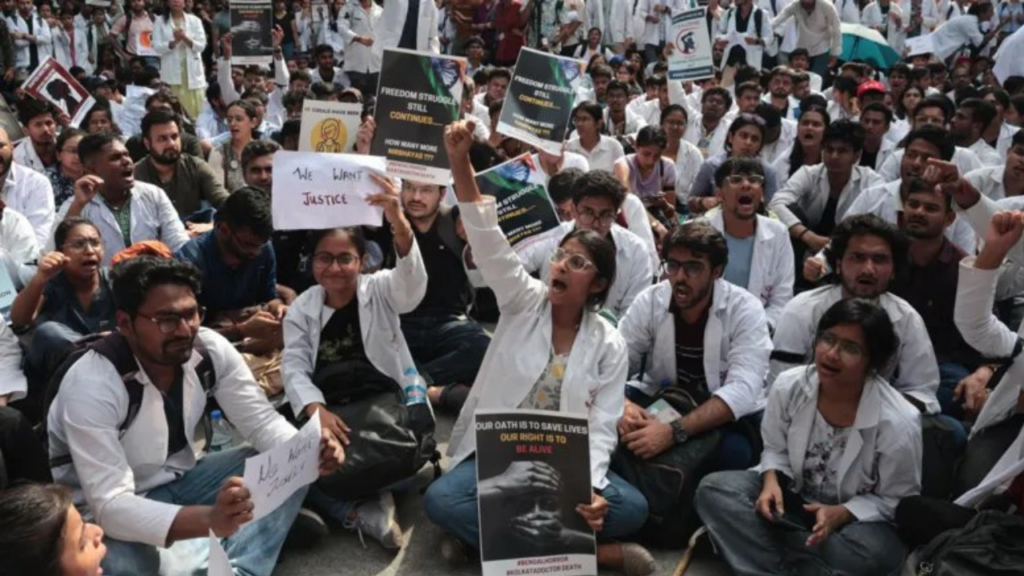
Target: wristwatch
pixel 679 434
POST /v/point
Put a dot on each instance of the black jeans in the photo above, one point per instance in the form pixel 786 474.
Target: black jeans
pixel 919 519
pixel 446 347
pixel 22 454
pixel 982 453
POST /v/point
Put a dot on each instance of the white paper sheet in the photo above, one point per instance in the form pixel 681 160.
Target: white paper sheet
pixel 275 475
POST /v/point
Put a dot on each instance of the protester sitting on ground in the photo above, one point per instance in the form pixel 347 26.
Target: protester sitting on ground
pixel 650 177
pixel 827 429
pixel 1005 180
pixel 993 448
pixel 188 181
pixel 347 325
pixel 45 535
pixel 866 254
pixel 225 158
pixel 876 119
pixel 597 198
pixel 698 332
pixel 760 253
pixel 25 190
pixel 68 168
pixel 99 118
pixel 686 156
pixel 19 249
pixel 936 111
pixel 239 277
pixel 968 125
pixel 746 133
pixel 124 211
pixel 190 144
pixel 806 148
pixel 543 322
pixel 38 150
pixel 147 485
pixel 68 298
pixel 601 151
pixel 707 131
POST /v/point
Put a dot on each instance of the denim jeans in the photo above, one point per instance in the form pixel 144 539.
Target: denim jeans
pixel 253 550
pixel 753 546
pixel 819 65
pixel 950 374
pixel 446 347
pixel 451 503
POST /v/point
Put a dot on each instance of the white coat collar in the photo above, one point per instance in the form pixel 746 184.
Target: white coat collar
pixel 762 233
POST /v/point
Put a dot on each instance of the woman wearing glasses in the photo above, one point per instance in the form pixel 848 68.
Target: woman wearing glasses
pixel 348 323
pixel 841 448
pixel 551 351
pixel 687 157
pixel 69 167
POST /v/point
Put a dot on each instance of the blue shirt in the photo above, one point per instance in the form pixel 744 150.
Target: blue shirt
pixel 61 305
pixel 225 289
pixel 741 253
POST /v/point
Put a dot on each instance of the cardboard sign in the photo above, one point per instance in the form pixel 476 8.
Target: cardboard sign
pixel 329 126
pixel 53 83
pixel 525 211
pixel 691 54
pixel 251 23
pixel 273 476
pixel 316 191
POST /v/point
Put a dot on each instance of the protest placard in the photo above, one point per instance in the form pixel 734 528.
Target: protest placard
pixel 51 82
pixel 320 11
pixel 144 43
pixel 251 23
pixel 219 565
pixel 691 47
pixel 919 45
pixel 533 469
pixel 273 476
pixel 315 190
pixel 418 95
pixel 328 126
pixel 525 211
pixel 540 98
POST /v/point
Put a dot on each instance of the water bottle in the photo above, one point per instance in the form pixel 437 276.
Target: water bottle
pixel 415 387
pixel 222 437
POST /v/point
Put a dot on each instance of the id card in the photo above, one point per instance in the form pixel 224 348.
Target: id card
pixel 663 412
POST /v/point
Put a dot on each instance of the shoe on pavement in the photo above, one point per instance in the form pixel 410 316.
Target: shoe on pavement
pixel 637 561
pixel 454 551
pixel 378 519
pixel 308 529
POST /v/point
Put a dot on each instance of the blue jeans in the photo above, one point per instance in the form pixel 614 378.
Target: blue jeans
pixel 445 347
pixel 451 503
pixel 753 546
pixel 253 550
pixel 950 374
pixel 819 65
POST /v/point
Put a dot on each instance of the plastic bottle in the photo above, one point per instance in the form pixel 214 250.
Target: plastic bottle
pixel 415 387
pixel 222 437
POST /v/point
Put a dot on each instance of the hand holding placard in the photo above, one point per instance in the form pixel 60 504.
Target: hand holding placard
pixel 316 191
pixel 275 475
pixel 219 563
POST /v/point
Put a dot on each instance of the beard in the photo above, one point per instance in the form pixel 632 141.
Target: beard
pixel 166 158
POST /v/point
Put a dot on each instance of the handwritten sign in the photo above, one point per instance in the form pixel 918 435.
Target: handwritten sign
pixel 920 45
pixel 219 563
pixel 316 191
pixel 329 126
pixel 275 475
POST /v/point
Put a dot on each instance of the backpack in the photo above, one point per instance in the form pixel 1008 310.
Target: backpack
pixel 115 348
pixel 991 544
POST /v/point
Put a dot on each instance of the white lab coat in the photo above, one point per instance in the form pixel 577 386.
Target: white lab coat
pixel 771 152
pixel 113 471
pixel 19 248
pixel 896 35
pixel 955 34
pixel 881 463
pixel 25 155
pixel 392 20
pixel 695 129
pixel 809 189
pixel 726 30
pixel 30 193
pixel 786 31
pixel 917 370
pixel 595 376
pixel 633 270
pixel 736 344
pixel 771 265
pixel 170 59
pixel 988 181
pixel 44 39
pixel 62 50
pixel 381 296
pixel 884 201
pixel 965 160
pixel 884 152
pixel 688 163
pixel 354 21
pixel 619 27
pixel 848 11
pixel 986 154
pixel 153 218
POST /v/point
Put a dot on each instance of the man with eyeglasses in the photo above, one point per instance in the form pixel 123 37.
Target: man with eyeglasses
pixel 597 198
pixel 696 332
pixel 935 111
pixel 155 495
pixel 760 253
pixel 239 272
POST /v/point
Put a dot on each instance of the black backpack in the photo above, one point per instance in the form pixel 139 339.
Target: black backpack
pixel 115 348
pixel 991 544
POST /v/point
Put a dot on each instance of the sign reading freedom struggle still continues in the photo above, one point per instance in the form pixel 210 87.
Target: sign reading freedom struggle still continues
pixel 316 191
pixel 418 95
pixel 691 47
pixel 533 469
pixel 525 211
pixel 540 98
pixel 251 23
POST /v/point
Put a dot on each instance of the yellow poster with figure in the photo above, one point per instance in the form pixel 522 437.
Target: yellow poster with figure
pixel 329 126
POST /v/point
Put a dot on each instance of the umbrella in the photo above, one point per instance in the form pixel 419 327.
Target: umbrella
pixel 863 43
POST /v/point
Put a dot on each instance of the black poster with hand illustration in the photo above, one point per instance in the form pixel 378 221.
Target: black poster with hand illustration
pixel 533 470
pixel 251 24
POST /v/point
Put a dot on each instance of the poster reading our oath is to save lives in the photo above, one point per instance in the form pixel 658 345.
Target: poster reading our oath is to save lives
pixel 418 95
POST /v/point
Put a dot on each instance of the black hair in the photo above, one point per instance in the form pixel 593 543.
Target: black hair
pixel 748 86
pixel 499 72
pixel 901 68
pixel 998 93
pixel 901 111
pixel 936 136
pixel 770 114
pixel 290 129
pixel 355 235
pixel 300 75
pixel 602 255
pixel 1013 84
pixel 844 84
pixel 798 52
pixel 35 522
pixel 741 121
pixel 746 74
pixel 101 105
pixel 29 108
pixel 67 134
pixel 1018 138
pixel 65 226
pixel 738 165
pixel 602 70
pixel 658 80
pixel 812 101
pixel 796 156
pixel 472 40
pixel 257 149
pixel 617 85
pixel 158 118
pixel 213 91
pixel 668 110
pixel 483 156
pixel 847 131
pixel 879 334
pixel 92 145
pixel 247 207
pixel 294 98
pixel 321 49
pixel 918 186
pixel 982 112
pixel 781 71
pixel 880 108
pixel 561 185
pixel 599 184
pixel 651 136
pixel 722 92
pixel 135 277
pixel 940 102
pixel 700 238
pixel 495 107
pixel 590 108
pixel 867 225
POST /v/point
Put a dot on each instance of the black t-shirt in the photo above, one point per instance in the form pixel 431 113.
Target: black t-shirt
pixel 341 340
pixel 412 21
pixel 690 374
pixel 174 412
pixel 447 285
pixel 292 252
pixel 868 159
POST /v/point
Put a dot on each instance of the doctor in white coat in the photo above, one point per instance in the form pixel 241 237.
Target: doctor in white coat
pixel 178 35
pixel 551 351
pixel 757 34
pixel 392 24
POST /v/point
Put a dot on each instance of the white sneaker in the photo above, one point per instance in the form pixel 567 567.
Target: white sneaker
pixel 377 519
